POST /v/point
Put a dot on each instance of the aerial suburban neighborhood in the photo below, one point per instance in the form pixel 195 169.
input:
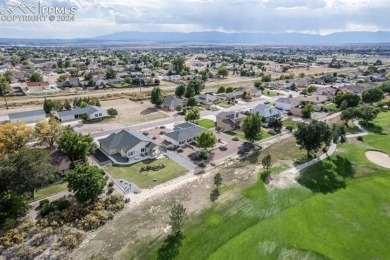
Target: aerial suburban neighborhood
pixel 206 145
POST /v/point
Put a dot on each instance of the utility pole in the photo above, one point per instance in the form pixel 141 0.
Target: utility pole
pixel 5 98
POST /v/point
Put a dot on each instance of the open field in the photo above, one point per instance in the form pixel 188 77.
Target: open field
pixel 146 179
pixel 130 112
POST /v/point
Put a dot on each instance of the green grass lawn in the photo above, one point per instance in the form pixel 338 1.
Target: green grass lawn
pixel 289 122
pixel 272 93
pixel 381 129
pixel 206 123
pixel 341 211
pixel 50 190
pixel 331 107
pixel 241 135
pixel 145 179
pixel 224 104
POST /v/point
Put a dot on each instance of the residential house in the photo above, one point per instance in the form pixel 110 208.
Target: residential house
pixel 171 102
pixel 330 92
pixel 233 95
pixel 229 121
pixel 92 112
pixel 317 100
pixel 27 116
pixel 267 112
pixel 295 111
pixel 183 134
pixel 59 159
pixel 72 82
pixel 206 99
pixel 356 89
pixel 129 144
pixel 37 86
pixel 286 103
pixel 252 91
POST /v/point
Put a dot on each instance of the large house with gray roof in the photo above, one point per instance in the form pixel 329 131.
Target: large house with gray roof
pixel 229 121
pixel 171 102
pixel 267 112
pixel 93 113
pixel 129 144
pixel 183 134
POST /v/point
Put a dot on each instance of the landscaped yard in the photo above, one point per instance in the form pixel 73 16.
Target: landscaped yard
pixel 50 190
pixel 206 123
pixel 241 135
pixel 145 179
pixel 225 104
pixel 272 93
pixel 331 107
pixel 289 122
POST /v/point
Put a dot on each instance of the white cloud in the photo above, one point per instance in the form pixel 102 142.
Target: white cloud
pixel 96 17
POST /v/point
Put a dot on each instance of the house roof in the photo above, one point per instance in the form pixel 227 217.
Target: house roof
pixel 78 111
pixel 266 111
pixel 230 115
pixel 172 101
pixel 33 113
pixel 37 84
pixel 185 131
pixel 287 100
pixel 125 140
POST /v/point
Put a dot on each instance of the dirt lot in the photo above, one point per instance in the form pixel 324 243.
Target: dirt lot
pixel 130 112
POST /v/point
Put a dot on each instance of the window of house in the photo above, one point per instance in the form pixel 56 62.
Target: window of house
pixel 143 150
pixel 96 115
pixel 100 114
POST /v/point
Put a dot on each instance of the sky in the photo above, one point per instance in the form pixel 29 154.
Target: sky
pixel 95 17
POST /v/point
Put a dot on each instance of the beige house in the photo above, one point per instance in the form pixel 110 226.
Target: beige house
pixel 228 121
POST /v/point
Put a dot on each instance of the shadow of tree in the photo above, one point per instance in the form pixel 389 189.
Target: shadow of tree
pixel 328 176
pixel 170 249
pixel 148 111
pixel 371 127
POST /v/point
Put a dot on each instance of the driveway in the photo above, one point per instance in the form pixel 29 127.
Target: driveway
pixel 181 160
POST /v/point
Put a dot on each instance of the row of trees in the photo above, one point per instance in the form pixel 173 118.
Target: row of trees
pixel 58 105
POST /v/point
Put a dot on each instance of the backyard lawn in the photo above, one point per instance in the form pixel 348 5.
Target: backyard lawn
pixel 145 179
pixel 50 190
pixel 206 123
pixel 289 122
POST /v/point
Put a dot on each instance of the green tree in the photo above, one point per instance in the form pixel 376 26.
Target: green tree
pixel 385 86
pixel 344 105
pixel 221 89
pixel 352 99
pixel 311 89
pixel 266 78
pixel 252 127
pixel 192 115
pixel 217 180
pixel 111 74
pixel 367 113
pixel 156 96
pixel 178 64
pixel 178 218
pixel 190 92
pixel 67 104
pixel 4 85
pixel 348 114
pixel 86 181
pixel 48 132
pixel 257 84
pixel 275 124
pixel 267 163
pixel 12 205
pixel 307 110
pixel 372 95
pixel 197 84
pixel 223 71
pixel 191 102
pixel 339 133
pixel 112 112
pixel 229 90
pixel 25 171
pixel 47 106
pixel 76 145
pixel 180 90
pixel 313 135
pixel 35 77
pixel 206 139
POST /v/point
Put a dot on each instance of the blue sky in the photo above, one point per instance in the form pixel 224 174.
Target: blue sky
pixel 96 17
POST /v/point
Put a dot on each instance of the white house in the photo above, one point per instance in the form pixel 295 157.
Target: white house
pixel 93 113
pixel 286 103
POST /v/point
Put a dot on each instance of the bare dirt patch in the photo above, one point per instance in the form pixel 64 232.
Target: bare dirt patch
pixel 130 112
pixel 379 158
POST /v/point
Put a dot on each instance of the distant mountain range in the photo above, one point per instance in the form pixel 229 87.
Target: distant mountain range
pixel 141 38
pixel 261 38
